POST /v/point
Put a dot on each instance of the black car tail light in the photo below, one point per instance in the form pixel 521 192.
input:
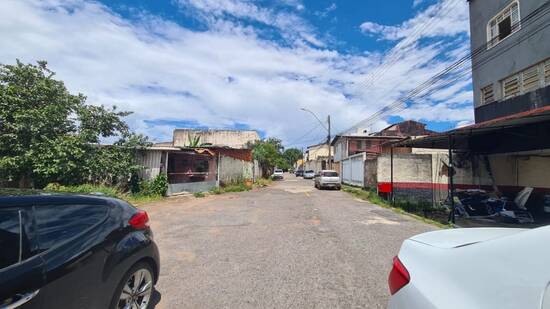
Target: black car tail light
pixel 139 220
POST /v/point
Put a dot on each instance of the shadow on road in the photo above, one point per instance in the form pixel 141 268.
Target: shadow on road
pixel 155 298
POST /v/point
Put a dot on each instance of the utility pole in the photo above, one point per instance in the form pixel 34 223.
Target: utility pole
pixel 328 136
pixel 328 144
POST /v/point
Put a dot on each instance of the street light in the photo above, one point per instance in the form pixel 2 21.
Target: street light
pixel 328 131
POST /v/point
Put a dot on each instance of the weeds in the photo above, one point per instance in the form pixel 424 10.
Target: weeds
pixel 199 194
pixel 402 207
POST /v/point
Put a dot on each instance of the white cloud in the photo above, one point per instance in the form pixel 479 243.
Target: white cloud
pixel 325 12
pixel 217 77
pixel 293 27
pixel 418 2
pixel 445 18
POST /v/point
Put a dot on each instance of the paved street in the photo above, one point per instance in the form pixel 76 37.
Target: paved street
pixel 285 246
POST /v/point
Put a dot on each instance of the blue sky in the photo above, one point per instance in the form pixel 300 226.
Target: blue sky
pixel 249 64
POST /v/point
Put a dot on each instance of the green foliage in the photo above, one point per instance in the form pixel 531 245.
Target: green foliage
pixel 409 208
pixel 49 135
pixel 263 182
pixel 199 194
pixel 292 155
pixel 234 187
pixel 157 186
pixel 193 141
pixel 85 189
pixel 269 154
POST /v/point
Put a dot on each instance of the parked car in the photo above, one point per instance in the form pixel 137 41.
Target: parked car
pixel 309 174
pixel 327 179
pixel 74 251
pixel 473 268
pixel 299 173
pixel 277 174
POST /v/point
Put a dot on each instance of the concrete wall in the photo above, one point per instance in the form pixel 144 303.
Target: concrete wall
pixel 229 138
pixel 371 173
pixel 504 59
pixel 234 170
pixel 425 176
pixel 151 160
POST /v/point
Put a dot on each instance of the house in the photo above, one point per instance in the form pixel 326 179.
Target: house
pixel 511 56
pixel 199 160
pixel 349 145
pixel 317 157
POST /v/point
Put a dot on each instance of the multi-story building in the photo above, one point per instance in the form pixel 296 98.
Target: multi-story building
pixel 510 42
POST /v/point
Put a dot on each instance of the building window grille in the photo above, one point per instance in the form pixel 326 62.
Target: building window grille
pixel 547 72
pixel 511 87
pixel 530 79
pixel 487 94
pixel 503 25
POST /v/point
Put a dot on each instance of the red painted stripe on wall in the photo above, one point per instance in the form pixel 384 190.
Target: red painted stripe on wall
pixel 385 187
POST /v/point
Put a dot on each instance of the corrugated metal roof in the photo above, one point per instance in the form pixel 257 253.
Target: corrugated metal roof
pixel 441 140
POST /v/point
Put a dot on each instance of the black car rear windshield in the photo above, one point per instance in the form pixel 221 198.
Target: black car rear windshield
pixel 330 174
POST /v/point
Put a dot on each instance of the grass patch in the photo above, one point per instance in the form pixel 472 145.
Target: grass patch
pixel 405 208
pixel 199 194
pixel 134 199
pixel 18 192
pixel 263 182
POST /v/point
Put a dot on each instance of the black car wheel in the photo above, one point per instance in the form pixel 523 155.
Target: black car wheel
pixel 135 289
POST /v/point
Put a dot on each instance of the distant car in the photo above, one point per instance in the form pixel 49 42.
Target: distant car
pixel 489 268
pixel 328 179
pixel 299 173
pixel 73 251
pixel 309 174
pixel 277 174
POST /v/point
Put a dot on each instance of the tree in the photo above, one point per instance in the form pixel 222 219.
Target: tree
pixel 267 154
pixel 292 155
pixel 50 135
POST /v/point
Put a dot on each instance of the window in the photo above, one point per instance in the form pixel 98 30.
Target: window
pixel 330 174
pixel 511 87
pixel 530 79
pixel 547 72
pixel 487 94
pixel 503 25
pixel 59 223
pixel 15 246
pixel 10 237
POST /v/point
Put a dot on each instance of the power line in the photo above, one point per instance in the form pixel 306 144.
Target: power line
pixel 392 58
pixel 400 103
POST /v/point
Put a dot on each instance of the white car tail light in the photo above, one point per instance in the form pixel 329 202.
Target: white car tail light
pixel 399 276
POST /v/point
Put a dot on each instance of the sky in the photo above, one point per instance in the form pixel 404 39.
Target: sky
pixel 249 64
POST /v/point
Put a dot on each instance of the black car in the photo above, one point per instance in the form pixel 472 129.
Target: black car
pixel 299 173
pixel 74 251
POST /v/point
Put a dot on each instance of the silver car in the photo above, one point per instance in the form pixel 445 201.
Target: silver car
pixel 327 179
pixel 309 174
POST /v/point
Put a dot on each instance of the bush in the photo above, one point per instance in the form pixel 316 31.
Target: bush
pixel 157 186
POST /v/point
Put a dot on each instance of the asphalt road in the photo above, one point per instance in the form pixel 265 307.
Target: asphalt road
pixel 285 246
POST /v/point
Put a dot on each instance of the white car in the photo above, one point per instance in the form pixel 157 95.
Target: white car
pixel 278 174
pixel 327 179
pixel 476 268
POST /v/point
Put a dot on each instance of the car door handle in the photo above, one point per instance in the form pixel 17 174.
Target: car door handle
pixel 21 300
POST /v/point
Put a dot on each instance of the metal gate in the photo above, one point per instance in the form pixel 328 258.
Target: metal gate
pixel 353 170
